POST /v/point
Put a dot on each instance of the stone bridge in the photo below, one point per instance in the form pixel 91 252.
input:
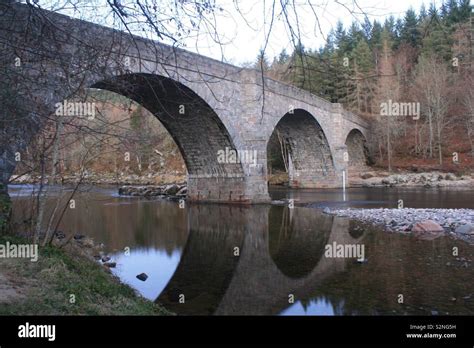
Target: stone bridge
pixel 209 107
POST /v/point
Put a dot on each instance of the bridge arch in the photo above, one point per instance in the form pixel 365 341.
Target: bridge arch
pixel 304 150
pixel 357 150
pixel 195 127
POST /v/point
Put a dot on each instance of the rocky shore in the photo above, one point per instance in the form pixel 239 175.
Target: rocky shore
pixel 428 223
pixel 109 179
pixel 428 180
pixel 165 191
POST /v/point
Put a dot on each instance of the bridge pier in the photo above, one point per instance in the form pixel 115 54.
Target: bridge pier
pixel 233 190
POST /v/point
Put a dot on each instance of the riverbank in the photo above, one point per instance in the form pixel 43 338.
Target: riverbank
pixel 406 179
pixel 368 178
pixel 108 179
pixel 66 281
pixel 425 223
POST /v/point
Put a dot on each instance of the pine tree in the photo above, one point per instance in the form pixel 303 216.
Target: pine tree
pixel 464 10
pixel 423 13
pixel 283 57
pixel 262 63
pixel 437 42
pixel 409 32
pixel 362 78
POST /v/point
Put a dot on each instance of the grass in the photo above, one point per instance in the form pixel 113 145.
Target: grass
pixel 47 286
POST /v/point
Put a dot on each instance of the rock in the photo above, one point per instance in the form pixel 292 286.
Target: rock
pixel 79 236
pixel 59 235
pixel 124 190
pixel 427 226
pixel 433 312
pixel 465 229
pixel 105 259
pixel 110 264
pixel 366 175
pixel 450 176
pixel 97 257
pixel 86 242
pixel 171 189
pixel 182 191
pixel 142 277
pixel 327 210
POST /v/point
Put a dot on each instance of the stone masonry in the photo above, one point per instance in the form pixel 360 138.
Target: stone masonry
pixel 205 104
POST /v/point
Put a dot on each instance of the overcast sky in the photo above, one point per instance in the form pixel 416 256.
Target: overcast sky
pixel 243 34
pixel 244 40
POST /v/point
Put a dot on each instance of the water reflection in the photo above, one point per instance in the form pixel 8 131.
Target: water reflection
pixel 229 260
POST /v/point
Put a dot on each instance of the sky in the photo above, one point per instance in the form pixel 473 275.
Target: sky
pixel 244 40
pixel 242 25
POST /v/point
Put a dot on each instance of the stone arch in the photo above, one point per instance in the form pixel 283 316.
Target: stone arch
pixel 357 151
pixel 308 154
pixel 195 127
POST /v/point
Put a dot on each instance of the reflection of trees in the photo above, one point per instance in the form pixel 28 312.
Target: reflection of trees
pixel 297 239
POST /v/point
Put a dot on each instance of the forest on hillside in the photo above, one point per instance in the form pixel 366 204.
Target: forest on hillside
pixel 424 58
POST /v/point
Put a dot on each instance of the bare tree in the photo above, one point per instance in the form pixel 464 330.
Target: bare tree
pixel 432 83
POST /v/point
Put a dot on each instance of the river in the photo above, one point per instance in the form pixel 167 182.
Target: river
pixel 208 259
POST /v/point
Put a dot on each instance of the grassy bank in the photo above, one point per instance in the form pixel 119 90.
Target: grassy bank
pixel 45 287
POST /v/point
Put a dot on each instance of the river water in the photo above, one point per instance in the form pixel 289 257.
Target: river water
pixel 204 259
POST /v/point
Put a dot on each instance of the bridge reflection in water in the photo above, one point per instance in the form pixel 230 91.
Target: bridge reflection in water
pixel 281 252
pixel 191 251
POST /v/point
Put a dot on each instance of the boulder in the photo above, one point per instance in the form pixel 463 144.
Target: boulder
pixel 171 189
pixel 427 226
pixel 465 229
pixel 182 191
pixel 124 191
pixel 450 177
pixel 110 264
pixel 366 175
pixel 59 234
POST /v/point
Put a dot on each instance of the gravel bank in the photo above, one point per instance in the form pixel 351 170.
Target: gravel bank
pixel 427 180
pixel 457 222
